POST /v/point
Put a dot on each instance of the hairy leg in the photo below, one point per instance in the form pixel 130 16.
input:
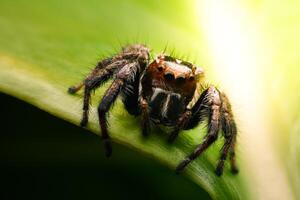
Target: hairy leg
pixel 191 117
pixel 216 107
pixel 230 132
pixel 131 97
pixel 186 116
pixel 127 67
pixel 98 76
pixel 145 116
pixel 212 102
pixel 100 65
pixel 104 106
pixel 94 80
pixel 124 77
pixel 75 88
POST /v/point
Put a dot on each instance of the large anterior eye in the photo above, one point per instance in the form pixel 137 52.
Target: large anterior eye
pixel 160 68
pixel 180 78
pixel 169 76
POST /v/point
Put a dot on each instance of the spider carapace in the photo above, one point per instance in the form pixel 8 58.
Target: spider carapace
pixel 166 91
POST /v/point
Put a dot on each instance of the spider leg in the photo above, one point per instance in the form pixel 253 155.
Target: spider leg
pixel 103 63
pixel 75 88
pixel 230 132
pixel 224 151
pixel 104 106
pixel 126 67
pixel 190 118
pixel 216 105
pixel 186 116
pixel 211 104
pixel 145 116
pixel 124 77
pixel 98 76
pixel 131 97
pixel 105 69
pixel 234 168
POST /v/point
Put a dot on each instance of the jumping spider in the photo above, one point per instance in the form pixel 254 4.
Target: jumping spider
pixel 163 92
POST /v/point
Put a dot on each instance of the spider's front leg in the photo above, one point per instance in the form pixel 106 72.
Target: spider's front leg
pixel 191 117
pixel 216 107
pixel 144 106
pixel 186 116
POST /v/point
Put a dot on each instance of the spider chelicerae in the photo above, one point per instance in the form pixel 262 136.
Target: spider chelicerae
pixel 163 91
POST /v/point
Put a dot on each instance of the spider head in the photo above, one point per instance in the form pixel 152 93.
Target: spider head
pixel 176 70
pixel 175 75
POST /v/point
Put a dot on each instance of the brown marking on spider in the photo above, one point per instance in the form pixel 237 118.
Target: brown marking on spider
pixel 163 92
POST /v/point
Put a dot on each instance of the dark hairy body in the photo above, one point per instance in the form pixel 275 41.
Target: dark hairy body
pixel 163 91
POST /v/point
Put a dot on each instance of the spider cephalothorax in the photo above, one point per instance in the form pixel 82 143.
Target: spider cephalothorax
pixel 163 92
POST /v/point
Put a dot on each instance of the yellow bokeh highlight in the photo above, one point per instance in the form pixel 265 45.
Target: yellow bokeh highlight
pixel 243 45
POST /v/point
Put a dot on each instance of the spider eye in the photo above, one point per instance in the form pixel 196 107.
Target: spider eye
pixel 169 76
pixel 180 78
pixel 160 68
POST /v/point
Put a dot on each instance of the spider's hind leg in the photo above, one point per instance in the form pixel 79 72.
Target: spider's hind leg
pixel 125 66
pixel 75 88
pixel 124 77
pixel 102 72
pixel 103 63
pixel 214 105
pixel 211 105
pixel 230 132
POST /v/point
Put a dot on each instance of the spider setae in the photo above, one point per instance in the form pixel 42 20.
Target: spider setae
pixel 162 92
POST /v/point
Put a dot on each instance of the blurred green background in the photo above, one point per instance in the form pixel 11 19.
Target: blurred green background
pixel 249 49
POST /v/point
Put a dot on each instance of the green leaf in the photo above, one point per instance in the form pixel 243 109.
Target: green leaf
pixel 47 46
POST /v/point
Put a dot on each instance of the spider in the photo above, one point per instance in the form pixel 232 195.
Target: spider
pixel 164 92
